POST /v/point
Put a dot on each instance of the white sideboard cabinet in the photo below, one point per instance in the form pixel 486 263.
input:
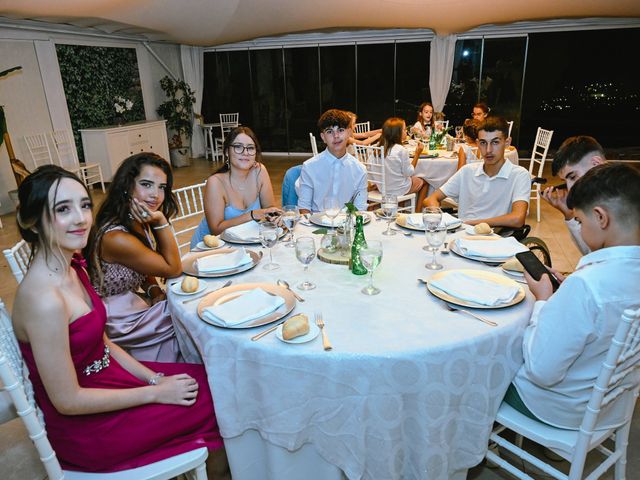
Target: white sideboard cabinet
pixel 110 146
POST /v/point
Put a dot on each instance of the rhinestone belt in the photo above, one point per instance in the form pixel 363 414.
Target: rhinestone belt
pixel 99 364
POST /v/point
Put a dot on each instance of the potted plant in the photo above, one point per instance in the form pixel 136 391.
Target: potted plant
pixel 177 110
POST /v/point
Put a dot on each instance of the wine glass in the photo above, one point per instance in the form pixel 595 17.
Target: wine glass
pixel 389 209
pixel 268 238
pixel 290 217
pixel 305 253
pixel 332 208
pixel 431 218
pixel 435 238
pixel 459 134
pixel 371 256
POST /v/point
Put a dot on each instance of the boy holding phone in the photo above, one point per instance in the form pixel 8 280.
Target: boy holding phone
pixel 570 331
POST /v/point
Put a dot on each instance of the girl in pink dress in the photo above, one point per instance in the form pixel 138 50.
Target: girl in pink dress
pixel 104 411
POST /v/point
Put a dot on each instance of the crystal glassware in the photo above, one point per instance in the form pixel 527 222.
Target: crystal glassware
pixel 389 209
pixel 435 238
pixel 268 238
pixel 290 217
pixel 331 207
pixel 431 218
pixel 305 253
pixel 371 256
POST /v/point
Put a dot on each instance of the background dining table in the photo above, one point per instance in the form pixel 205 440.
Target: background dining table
pixel 410 389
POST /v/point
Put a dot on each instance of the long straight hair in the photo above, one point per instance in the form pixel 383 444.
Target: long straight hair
pixel 392 130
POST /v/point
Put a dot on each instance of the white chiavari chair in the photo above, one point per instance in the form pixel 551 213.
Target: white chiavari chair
pixel 362 127
pixel 536 165
pixel 65 147
pixel 314 144
pixel 18 259
pixel 190 202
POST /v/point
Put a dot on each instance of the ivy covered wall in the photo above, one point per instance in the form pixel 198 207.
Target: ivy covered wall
pixel 93 77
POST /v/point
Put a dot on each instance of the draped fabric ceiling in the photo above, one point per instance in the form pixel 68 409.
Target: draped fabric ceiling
pixel 216 22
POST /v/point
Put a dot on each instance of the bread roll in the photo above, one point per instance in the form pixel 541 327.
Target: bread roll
pixel 211 241
pixel 189 284
pixel 401 219
pixel 513 264
pixel 296 326
pixel 482 229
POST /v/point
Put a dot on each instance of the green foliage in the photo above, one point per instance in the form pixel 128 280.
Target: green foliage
pixel 177 110
pixel 92 78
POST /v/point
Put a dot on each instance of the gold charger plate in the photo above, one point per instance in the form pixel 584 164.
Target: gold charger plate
pixel 189 263
pixel 229 293
pixel 481 275
pixel 316 219
pixel 401 221
pixel 455 248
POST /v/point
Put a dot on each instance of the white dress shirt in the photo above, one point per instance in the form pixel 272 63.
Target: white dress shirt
pixel 568 336
pixel 574 229
pixel 325 175
pixel 398 170
pixel 480 196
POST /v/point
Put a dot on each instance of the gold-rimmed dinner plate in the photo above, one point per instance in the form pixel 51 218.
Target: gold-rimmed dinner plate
pixel 482 276
pixel 316 219
pixel 455 248
pixel 401 221
pixel 517 276
pixel 189 266
pixel 233 291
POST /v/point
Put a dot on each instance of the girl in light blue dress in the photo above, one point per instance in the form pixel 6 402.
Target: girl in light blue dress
pixel 240 191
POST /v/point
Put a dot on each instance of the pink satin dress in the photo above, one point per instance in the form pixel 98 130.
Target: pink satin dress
pixel 123 439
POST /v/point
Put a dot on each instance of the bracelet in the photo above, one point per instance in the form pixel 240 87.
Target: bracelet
pixel 150 287
pixel 252 217
pixel 156 378
pixel 160 227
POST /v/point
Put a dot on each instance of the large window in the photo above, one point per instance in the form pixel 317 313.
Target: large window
pixel 412 79
pixel 269 115
pixel 376 65
pixel 465 83
pixel 338 77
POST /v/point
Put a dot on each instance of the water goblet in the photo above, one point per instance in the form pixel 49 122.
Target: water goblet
pixel 389 209
pixel 371 256
pixel 436 237
pixel 290 217
pixel 268 238
pixel 459 131
pixel 431 218
pixel 305 253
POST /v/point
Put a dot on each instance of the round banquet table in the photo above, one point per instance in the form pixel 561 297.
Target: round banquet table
pixel 410 390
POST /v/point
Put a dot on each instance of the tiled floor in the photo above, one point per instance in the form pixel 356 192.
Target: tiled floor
pixel 551 229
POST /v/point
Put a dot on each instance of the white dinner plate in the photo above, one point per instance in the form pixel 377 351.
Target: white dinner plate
pixel 223 295
pixel 316 219
pixel 469 230
pixel 313 333
pixel 249 241
pixel 201 246
pixel 481 275
pixel 453 246
pixel 189 266
pixel 517 276
pixel 177 288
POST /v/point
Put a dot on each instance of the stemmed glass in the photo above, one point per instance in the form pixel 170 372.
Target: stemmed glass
pixel 436 237
pixel 459 134
pixel 332 208
pixel 290 218
pixel 268 238
pixel 389 209
pixel 431 218
pixel 371 256
pixel 305 253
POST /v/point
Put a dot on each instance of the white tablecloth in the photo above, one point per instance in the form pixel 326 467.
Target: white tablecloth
pixel 436 171
pixel 410 390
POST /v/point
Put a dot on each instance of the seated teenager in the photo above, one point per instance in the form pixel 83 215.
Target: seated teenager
pixel 398 168
pixel 334 171
pixel 240 191
pixel 576 156
pixel 570 330
pixel 480 112
pixel 494 191
pixel 364 138
pixel 134 244
pixel 424 122
pixel 104 411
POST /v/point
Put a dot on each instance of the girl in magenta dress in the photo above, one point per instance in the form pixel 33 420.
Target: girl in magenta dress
pixel 104 411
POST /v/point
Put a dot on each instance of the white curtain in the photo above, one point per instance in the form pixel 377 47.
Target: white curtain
pixel 192 68
pixel 443 50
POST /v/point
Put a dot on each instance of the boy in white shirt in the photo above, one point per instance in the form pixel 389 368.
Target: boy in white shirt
pixel 494 191
pixel 576 156
pixel 570 330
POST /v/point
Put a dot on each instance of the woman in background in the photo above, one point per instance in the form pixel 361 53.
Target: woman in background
pixel 240 191
pixel 399 169
pixel 480 111
pixel 104 410
pixel 133 245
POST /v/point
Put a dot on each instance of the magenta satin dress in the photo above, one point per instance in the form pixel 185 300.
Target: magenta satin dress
pixel 112 441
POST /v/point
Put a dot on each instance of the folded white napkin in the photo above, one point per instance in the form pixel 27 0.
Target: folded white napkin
pixel 501 248
pixel 246 232
pixel 223 261
pixel 415 220
pixel 476 290
pixel 246 307
pixel 337 222
pixel 449 219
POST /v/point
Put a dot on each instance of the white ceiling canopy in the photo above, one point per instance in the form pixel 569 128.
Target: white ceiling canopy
pixel 216 22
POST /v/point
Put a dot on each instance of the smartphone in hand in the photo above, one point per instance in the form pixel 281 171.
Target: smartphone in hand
pixel 535 267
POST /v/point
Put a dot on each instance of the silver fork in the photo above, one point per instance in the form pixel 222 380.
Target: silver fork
pixel 477 317
pixel 326 344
